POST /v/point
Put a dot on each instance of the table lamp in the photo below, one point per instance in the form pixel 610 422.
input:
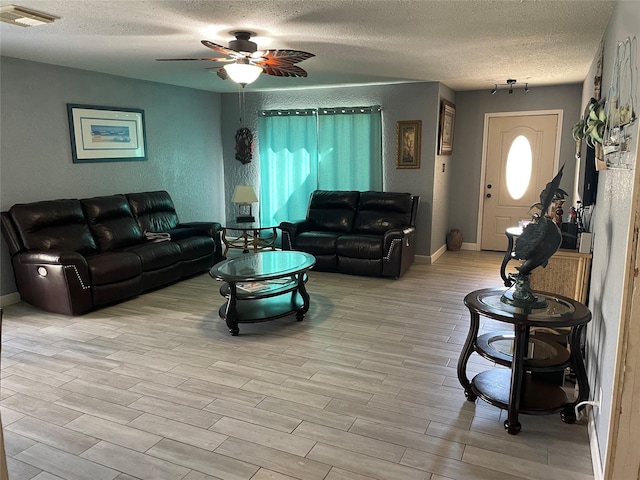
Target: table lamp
pixel 244 196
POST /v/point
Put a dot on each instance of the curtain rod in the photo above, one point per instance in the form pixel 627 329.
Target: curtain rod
pixel 321 111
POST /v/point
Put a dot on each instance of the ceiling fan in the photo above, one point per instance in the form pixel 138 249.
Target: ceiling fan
pixel 246 62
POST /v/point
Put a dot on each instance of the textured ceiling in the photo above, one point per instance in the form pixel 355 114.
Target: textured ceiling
pixel 466 45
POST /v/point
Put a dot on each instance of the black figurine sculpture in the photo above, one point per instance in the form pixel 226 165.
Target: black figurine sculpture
pixel 539 240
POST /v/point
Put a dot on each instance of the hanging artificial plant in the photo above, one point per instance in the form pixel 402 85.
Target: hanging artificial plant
pixel 591 126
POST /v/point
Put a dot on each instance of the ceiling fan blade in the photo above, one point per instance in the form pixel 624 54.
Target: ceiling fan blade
pixel 221 49
pixel 283 57
pixel 191 59
pixel 283 70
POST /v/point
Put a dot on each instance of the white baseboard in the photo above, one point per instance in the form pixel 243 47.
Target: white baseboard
pixel 438 253
pixel 594 446
pixel 433 258
pixel 9 299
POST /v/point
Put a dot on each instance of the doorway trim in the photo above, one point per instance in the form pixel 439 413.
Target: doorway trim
pixel 622 459
pixel 483 167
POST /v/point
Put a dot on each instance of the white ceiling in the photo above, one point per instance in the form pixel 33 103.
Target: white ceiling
pixel 467 45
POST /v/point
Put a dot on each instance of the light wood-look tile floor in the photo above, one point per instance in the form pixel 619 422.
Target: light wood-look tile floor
pixel 364 388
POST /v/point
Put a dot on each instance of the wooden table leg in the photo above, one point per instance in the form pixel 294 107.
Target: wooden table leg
pixel 520 343
pixel 302 290
pixel 467 350
pixel 568 415
pixel 231 313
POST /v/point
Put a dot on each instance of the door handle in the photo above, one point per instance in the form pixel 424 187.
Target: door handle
pixel 488 195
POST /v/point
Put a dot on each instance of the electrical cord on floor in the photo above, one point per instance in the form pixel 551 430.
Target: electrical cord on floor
pixel 593 403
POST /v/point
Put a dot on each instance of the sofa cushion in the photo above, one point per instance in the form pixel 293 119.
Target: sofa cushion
pixel 112 267
pixel 154 211
pixel 333 210
pixel 382 211
pixel 369 267
pixel 360 246
pixel 317 243
pixel 112 222
pixel 156 255
pixel 195 247
pixel 53 225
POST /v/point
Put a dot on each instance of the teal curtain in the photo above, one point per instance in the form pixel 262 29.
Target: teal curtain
pixel 288 164
pixel 305 150
pixel 350 149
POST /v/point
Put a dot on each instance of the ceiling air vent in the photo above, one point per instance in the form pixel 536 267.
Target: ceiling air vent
pixel 24 17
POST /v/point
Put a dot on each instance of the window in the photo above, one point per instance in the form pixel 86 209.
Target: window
pixel 518 169
pixel 305 150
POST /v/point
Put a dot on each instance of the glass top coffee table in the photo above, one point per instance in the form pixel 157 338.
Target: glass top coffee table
pixel 263 286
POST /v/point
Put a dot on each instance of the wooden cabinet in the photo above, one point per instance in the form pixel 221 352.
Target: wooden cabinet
pixel 567 274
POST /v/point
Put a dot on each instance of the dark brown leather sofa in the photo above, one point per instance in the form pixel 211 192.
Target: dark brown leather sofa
pixel 73 255
pixel 359 233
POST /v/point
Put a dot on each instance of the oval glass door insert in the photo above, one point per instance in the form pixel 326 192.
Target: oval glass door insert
pixel 519 165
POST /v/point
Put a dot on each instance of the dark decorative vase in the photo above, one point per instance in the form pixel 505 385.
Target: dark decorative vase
pixel 454 239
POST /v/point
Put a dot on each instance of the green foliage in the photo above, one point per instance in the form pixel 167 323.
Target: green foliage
pixel 591 126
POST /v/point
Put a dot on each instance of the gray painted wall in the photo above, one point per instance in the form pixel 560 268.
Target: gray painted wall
pixel 441 175
pixel 466 164
pixel 611 225
pixel 183 141
pixel 415 101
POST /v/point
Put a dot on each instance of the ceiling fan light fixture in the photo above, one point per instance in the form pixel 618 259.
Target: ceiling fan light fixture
pixel 243 73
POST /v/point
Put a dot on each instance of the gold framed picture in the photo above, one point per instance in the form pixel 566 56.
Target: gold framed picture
pixel 408 143
pixel 447 122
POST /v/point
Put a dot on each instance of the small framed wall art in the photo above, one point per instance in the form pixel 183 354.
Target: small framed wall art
pixel 447 123
pixel 408 143
pixel 106 134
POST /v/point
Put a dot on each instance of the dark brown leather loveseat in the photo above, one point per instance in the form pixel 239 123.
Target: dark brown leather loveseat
pixel 359 233
pixel 73 255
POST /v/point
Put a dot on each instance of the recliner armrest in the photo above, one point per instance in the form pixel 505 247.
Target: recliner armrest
pixel 54 280
pixel 209 228
pixel 52 257
pixel 397 233
pixel 398 251
pixel 290 230
pixel 297 227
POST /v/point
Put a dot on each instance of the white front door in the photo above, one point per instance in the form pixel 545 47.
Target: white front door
pixel 521 156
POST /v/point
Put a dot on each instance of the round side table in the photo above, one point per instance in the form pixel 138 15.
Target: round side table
pixel 515 390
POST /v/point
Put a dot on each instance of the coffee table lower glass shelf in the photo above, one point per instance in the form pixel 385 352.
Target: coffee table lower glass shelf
pixel 263 287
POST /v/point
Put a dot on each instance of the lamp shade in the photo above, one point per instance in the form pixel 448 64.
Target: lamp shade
pixel 244 194
pixel 243 73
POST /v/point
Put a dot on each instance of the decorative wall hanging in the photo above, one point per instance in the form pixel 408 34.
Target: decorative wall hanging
pixel 244 145
pixel 106 134
pixel 244 137
pixel 447 123
pixel 408 144
pixel 620 107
